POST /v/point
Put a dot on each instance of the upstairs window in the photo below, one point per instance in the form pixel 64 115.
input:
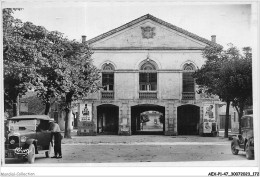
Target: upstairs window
pixel 148 77
pixel 108 81
pixel 188 80
pixel 108 77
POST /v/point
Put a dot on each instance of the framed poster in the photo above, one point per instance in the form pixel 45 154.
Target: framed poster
pixel 207 127
pixel 85 111
pixel 209 113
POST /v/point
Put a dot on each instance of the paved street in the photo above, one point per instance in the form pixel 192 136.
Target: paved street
pixel 141 148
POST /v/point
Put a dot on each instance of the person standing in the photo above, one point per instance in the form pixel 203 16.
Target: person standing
pixel 55 132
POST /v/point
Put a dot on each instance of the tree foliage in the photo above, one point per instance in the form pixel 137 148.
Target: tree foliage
pixel 47 61
pixel 227 74
pixel 19 54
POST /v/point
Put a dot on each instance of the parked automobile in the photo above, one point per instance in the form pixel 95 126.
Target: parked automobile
pixel 28 135
pixel 244 141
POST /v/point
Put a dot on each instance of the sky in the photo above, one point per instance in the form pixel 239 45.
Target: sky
pixel 231 23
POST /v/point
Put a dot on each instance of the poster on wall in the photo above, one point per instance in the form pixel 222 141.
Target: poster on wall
pixel 209 113
pixel 207 127
pixel 85 112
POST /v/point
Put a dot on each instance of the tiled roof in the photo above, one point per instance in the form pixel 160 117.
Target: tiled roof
pixel 148 16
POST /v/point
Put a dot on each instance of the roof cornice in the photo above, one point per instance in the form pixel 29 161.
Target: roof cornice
pixel 147 48
pixel 149 16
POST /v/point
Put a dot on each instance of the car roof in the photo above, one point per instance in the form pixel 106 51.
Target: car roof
pixel 42 117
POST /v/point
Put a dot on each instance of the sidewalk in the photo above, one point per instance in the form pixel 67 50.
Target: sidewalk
pixel 230 134
pixel 114 139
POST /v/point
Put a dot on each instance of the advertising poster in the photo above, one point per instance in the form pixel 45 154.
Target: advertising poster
pixel 208 117
pixel 85 112
pixel 207 127
pixel 209 113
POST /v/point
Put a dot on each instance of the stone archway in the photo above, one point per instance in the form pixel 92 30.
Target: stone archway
pixel 147 119
pixel 107 119
pixel 188 117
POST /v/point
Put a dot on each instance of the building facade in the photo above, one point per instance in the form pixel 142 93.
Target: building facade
pixel 147 65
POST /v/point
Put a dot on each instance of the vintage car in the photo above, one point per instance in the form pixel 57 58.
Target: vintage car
pixel 28 135
pixel 244 141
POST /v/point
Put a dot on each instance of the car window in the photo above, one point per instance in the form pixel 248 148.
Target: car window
pixel 22 125
pixel 43 125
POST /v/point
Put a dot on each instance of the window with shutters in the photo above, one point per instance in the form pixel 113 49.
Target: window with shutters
pixel 188 83
pixel 148 81
pixel 108 81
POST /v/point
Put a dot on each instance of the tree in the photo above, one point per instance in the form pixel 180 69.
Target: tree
pixel 20 57
pixel 48 84
pixel 69 76
pixel 78 77
pixel 241 82
pixel 53 65
pixel 223 75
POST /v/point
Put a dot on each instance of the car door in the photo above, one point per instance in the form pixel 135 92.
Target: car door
pixel 43 135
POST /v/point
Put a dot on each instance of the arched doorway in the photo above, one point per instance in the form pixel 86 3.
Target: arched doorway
pixel 107 119
pixel 147 119
pixel 188 117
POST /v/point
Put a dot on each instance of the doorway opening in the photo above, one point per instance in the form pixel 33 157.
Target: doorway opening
pixel 188 117
pixel 147 120
pixel 107 119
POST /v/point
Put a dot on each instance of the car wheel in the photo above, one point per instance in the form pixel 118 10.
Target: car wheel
pixel 249 153
pixel 31 154
pixel 233 148
pixel 48 153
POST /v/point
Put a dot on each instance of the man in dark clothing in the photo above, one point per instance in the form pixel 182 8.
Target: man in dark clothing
pixel 55 132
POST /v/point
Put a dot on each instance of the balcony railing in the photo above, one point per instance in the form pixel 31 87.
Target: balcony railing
pixel 148 95
pixel 107 95
pixel 188 96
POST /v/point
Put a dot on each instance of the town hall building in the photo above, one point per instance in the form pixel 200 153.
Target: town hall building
pixel 148 88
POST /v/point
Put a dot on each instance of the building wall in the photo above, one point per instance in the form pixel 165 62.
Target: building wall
pixel 125 85
pixel 127 48
pixel 131 59
pixel 127 64
pixel 169 84
pixel 233 115
pixel 132 37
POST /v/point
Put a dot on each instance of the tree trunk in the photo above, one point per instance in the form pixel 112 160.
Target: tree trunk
pixel 47 108
pixel 227 119
pixel 16 111
pixel 68 117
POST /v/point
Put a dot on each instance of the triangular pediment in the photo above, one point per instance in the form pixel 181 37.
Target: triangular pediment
pixel 148 32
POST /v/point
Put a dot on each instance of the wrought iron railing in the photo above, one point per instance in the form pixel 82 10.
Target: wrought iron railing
pixel 188 96
pixel 148 95
pixel 107 95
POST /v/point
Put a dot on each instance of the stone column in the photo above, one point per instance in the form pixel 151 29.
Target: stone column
pixel 175 121
pixel 94 118
pixel 169 131
pixel 124 119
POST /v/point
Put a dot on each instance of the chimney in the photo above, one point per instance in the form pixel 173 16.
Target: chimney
pixel 213 38
pixel 84 38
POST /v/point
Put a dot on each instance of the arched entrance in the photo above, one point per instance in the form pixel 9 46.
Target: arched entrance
pixel 107 119
pixel 188 117
pixel 147 119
